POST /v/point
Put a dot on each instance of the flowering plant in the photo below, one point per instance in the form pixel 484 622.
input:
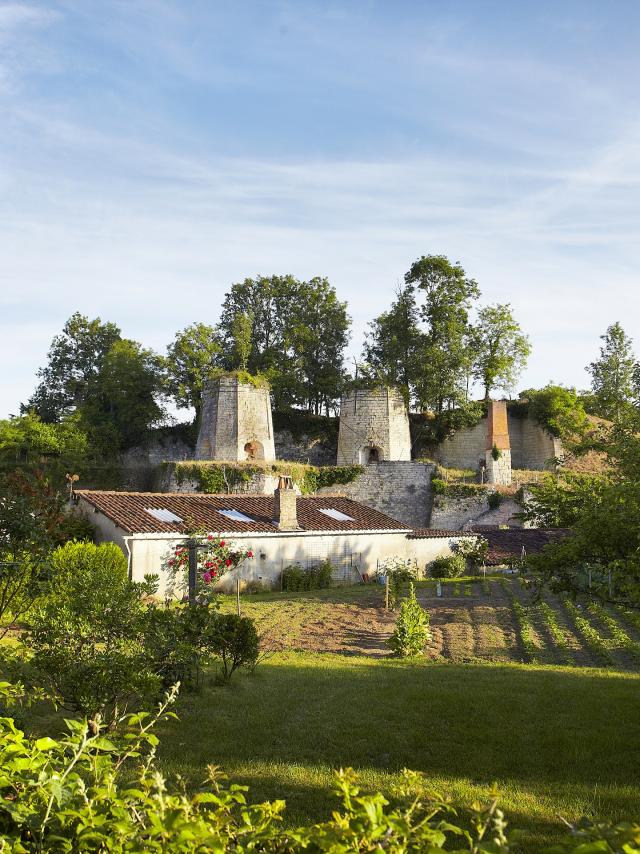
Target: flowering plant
pixel 397 566
pixel 214 557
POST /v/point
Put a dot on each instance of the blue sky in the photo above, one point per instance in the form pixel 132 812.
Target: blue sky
pixel 152 153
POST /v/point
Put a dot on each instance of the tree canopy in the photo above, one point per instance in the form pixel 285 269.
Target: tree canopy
pixel 112 386
pixel 293 332
pixel 74 361
pixel 615 375
pixel 192 358
pixel 500 349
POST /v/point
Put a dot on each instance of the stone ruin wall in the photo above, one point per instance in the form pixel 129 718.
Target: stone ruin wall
pixel 531 445
pixel 401 489
pixel 377 419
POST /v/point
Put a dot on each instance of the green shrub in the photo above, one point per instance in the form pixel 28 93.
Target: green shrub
pixel 494 500
pixel 295 578
pixel 235 640
pixel 451 566
pixel 474 551
pixel 176 642
pixel 412 628
pixel 87 633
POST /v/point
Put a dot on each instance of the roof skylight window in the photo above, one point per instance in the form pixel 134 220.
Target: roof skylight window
pixel 162 515
pixel 236 516
pixel 336 514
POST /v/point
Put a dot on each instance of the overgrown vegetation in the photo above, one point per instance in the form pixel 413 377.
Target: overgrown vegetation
pixel 601 555
pixel 317 577
pixel 213 477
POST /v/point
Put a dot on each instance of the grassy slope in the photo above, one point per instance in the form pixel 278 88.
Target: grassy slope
pixel 556 740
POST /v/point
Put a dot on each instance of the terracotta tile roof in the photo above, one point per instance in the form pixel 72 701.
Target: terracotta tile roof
pixel 129 512
pixel 506 544
pixel 435 533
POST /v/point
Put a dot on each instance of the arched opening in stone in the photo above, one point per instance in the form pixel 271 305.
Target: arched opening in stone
pixel 370 454
pixel 254 450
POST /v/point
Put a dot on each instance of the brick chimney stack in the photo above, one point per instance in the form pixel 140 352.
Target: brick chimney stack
pixel 498 447
pixel 286 500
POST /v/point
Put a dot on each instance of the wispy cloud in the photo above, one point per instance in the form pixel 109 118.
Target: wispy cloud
pixel 134 186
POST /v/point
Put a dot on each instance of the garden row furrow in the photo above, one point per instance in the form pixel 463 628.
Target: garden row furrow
pixel 541 644
pixel 527 638
pixel 491 640
pixel 556 632
pixel 619 639
pixel 589 633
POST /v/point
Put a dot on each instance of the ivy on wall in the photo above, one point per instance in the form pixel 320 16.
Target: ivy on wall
pixel 214 477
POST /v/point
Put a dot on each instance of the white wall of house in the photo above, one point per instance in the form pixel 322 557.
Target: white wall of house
pixel 352 553
pixel 425 550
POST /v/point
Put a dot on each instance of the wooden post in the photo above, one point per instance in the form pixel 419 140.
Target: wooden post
pixel 386 592
pixel 193 569
pixel 238 592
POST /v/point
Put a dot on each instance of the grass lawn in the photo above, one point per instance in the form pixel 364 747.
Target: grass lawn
pixel 556 740
pixel 509 691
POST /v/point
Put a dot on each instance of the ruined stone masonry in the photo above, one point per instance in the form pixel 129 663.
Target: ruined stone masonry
pixel 531 445
pixel 236 422
pixel 374 427
pixel 402 490
pixel 498 448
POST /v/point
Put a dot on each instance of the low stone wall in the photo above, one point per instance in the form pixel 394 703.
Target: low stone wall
pixel 461 514
pixel 402 490
pixel 257 482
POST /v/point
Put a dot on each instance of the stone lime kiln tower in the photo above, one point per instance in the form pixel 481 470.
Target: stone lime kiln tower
pixel 374 427
pixel 236 423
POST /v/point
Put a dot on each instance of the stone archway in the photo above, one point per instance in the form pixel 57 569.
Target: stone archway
pixel 370 454
pixel 254 450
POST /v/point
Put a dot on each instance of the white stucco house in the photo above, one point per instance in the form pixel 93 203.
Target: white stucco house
pixel 280 529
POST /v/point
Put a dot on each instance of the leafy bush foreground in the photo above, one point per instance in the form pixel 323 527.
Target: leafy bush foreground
pixel 90 793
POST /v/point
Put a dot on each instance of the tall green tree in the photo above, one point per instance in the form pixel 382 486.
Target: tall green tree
pixel 192 358
pixel 602 555
pixel 500 348
pixel 392 351
pixel 446 357
pixel 125 396
pixel 288 319
pixel 317 338
pixel 614 375
pixel 242 332
pixel 74 361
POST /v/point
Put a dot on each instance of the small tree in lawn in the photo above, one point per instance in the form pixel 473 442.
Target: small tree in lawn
pixel 412 628
pixel 86 635
pixel 215 557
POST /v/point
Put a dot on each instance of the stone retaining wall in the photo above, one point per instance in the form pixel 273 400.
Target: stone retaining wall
pixel 402 490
